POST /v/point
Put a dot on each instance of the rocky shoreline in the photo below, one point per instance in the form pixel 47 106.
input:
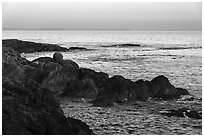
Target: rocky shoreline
pixel 32 91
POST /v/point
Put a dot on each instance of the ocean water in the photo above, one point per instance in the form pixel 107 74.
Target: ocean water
pixel 174 54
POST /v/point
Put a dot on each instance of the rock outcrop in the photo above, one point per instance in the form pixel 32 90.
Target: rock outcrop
pixel 182 112
pixel 161 88
pixel 118 89
pixel 98 77
pixel 29 47
pixel 81 88
pixel 28 106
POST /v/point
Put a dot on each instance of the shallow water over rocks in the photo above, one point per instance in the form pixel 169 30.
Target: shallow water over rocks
pixel 139 118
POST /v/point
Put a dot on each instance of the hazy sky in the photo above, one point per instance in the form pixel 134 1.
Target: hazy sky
pixel 136 16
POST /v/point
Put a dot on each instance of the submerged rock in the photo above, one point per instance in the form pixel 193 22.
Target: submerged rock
pixel 160 87
pixel 77 48
pixel 102 102
pixel 124 45
pixel 182 112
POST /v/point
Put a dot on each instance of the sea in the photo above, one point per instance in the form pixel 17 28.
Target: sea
pixel 174 54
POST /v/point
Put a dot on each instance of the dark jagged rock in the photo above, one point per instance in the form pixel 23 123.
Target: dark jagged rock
pixel 58 57
pixel 118 89
pixel 58 72
pixel 115 85
pixel 29 47
pixel 12 71
pixel 77 48
pixel 160 87
pixel 11 56
pixel 27 106
pixel 11 63
pixel 141 90
pixel 98 77
pixel 123 45
pixel 81 88
pixel 181 91
pixel 31 109
pixel 57 80
pixel 182 112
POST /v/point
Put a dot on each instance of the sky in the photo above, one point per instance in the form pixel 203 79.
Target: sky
pixel 102 16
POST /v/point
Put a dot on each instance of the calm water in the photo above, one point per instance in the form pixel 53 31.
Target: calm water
pixel 183 67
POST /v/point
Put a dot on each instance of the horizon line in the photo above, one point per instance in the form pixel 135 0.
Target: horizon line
pixel 102 29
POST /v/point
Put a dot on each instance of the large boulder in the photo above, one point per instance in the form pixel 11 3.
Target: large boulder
pixel 160 87
pixel 29 108
pixel 12 71
pixel 117 89
pixel 56 72
pixel 140 91
pixel 29 47
pixel 81 88
pixel 99 78
pixel 10 56
pixel 58 57
pixel 182 112
pixel 11 63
